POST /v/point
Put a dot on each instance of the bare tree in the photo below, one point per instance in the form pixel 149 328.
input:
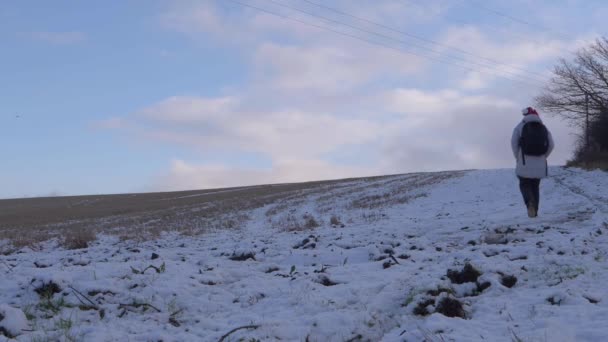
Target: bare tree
pixel 578 92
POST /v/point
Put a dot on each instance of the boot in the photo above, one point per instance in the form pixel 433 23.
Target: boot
pixel 532 211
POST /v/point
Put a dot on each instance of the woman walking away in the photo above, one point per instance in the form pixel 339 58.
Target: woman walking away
pixel 532 144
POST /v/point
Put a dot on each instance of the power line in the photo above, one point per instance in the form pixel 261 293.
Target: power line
pixel 355 37
pixel 430 41
pixel 502 31
pixel 458 20
pixel 490 67
pixel 465 67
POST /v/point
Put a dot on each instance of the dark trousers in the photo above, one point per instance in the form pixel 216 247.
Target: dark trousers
pixel 530 190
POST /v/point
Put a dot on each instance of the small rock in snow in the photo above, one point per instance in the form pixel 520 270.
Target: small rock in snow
pixel 508 281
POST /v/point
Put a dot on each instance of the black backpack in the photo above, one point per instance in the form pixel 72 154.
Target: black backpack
pixel 534 140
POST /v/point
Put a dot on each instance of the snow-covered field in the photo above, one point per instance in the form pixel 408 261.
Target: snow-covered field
pixel 363 260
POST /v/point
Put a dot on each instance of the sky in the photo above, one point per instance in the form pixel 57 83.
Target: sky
pixel 158 95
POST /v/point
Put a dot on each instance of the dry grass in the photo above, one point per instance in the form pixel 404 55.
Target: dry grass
pixel 401 190
pixel 291 223
pixel 335 220
pixel 78 239
pixel 288 223
pixel 286 203
pixel 75 221
pixel 310 222
pixel 373 216
pixel 326 199
pixel 26 222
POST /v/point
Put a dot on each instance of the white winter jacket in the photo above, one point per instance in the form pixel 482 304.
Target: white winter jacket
pixel 536 166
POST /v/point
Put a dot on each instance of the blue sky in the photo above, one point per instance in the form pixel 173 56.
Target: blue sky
pixel 124 96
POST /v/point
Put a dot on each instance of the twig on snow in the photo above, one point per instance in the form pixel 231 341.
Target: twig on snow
pixel 137 305
pixel 160 269
pixel 177 312
pixel 123 313
pixel 515 338
pixel 10 268
pixel 356 337
pixel 237 329
pixel 394 259
pixel 79 294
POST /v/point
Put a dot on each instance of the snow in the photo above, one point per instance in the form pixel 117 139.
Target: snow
pixel 360 282
pixel 12 320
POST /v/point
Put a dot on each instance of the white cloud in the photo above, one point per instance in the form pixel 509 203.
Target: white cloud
pixel 473 81
pixel 224 19
pixel 509 51
pixel 184 176
pixel 437 103
pixel 507 57
pixel 334 68
pixel 459 132
pixel 190 109
pixel 203 17
pixel 207 123
pixel 437 130
pixel 313 93
pixel 231 24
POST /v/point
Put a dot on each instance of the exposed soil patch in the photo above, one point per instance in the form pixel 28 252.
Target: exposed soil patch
pixel 308 243
pixel 439 291
pixel 242 256
pixel 4 332
pixel 421 308
pixel 47 290
pixel 591 300
pixel 450 307
pixel 483 286
pixel 468 274
pixel 40 265
pixel 325 281
pixel 271 269
pixel 508 281
pixel 301 243
pixel 554 300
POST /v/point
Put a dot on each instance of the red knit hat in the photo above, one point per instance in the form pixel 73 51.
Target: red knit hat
pixel 528 111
